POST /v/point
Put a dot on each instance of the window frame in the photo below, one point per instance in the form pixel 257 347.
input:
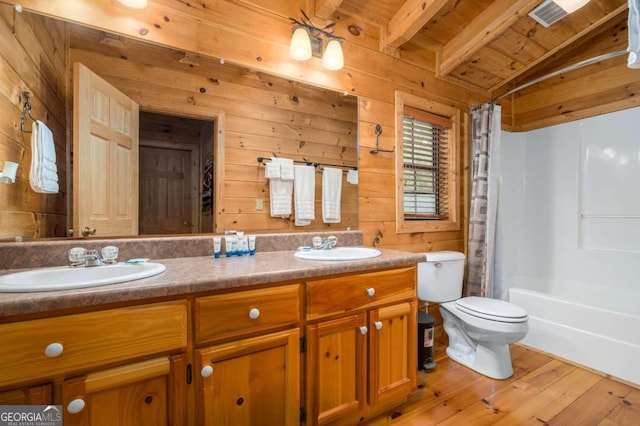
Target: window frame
pixel 452 223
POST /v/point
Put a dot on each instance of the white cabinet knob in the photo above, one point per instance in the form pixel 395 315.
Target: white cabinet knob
pixel 363 330
pixel 254 313
pixel 206 371
pixel 53 350
pixel 378 325
pixel 75 406
pixel 371 291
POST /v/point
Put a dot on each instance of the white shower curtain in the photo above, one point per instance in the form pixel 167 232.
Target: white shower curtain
pixel 485 152
pixel 634 34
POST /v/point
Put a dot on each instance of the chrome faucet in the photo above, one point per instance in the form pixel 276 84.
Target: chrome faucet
pixel 92 258
pixel 328 243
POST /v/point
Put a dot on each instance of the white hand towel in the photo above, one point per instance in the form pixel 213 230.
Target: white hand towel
pixel 280 191
pixel 331 194
pixel 634 34
pixel 272 170
pixel 352 177
pixel 43 176
pixel 304 194
pixel 286 171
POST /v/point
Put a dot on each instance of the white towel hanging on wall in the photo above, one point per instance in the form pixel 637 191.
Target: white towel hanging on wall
pixel 43 176
pixel 331 194
pixel 280 191
pixel 304 195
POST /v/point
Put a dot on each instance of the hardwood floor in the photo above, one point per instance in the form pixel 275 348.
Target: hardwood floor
pixel 542 391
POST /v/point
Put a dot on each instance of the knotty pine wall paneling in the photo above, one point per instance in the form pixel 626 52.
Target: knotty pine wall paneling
pixel 255 35
pixel 32 58
pixel 265 116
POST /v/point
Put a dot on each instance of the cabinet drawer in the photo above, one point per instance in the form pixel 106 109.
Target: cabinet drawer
pixel 89 339
pixel 353 292
pixel 233 314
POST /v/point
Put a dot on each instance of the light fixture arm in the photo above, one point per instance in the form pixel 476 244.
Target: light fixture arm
pixel 305 22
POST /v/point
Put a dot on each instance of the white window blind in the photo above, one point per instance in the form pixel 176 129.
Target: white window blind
pixel 426 165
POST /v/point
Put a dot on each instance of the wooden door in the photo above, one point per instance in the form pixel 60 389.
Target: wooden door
pixel 392 352
pixel 166 191
pixel 145 393
pixel 105 156
pixel 254 381
pixel 336 369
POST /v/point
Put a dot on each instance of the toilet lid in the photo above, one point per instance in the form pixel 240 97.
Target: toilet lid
pixel 492 309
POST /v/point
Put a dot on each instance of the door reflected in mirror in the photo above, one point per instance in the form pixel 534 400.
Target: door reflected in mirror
pixel 176 175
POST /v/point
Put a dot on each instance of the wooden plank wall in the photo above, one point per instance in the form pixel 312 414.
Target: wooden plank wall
pixel 603 87
pixel 32 58
pixel 256 34
pixel 264 116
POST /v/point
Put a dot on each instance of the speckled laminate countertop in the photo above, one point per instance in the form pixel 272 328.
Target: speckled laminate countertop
pixel 189 275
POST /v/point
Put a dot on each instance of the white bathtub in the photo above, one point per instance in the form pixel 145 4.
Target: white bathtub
pixel 604 339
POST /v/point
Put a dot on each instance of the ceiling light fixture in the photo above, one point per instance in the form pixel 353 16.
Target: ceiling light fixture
pixel 570 6
pixel 307 41
pixel 134 4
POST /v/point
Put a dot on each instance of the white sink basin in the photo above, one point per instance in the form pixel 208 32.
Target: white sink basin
pixel 339 253
pixel 67 278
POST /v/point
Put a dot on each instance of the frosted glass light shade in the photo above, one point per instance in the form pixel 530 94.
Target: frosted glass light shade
pixel 333 58
pixel 570 6
pixel 300 47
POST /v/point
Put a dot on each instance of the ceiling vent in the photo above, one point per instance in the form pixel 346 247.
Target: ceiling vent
pixel 548 13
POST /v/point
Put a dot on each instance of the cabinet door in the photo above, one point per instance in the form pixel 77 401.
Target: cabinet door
pixel 253 381
pixel 392 352
pixel 336 369
pixel 32 395
pixel 145 393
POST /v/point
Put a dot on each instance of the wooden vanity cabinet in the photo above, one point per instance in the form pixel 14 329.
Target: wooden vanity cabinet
pixel 252 377
pixel 150 392
pixel 29 395
pixel 74 352
pixel 236 358
pixel 361 345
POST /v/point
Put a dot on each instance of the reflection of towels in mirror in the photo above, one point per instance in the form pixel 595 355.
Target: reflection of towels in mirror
pixel 280 191
pixel 331 194
pixel 44 171
pixel 304 188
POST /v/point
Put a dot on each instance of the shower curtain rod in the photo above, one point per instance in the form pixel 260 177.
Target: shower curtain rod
pixel 560 71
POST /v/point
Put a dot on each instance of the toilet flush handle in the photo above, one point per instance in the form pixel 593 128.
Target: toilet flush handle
pixel 438 265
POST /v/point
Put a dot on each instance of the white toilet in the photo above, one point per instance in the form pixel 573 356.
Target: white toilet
pixel 479 329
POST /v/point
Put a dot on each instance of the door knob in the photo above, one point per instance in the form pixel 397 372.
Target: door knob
pixel 186 223
pixel 86 231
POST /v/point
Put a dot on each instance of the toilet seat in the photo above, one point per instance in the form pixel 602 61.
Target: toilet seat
pixel 492 309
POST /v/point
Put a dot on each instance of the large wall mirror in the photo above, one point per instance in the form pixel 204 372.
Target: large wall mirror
pixel 203 124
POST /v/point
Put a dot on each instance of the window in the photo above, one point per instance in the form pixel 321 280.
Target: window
pixel 427 139
pixel 426 156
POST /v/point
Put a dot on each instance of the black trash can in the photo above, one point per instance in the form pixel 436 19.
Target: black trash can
pixel 426 323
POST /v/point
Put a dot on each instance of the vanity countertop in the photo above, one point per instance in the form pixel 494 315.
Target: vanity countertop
pixel 193 275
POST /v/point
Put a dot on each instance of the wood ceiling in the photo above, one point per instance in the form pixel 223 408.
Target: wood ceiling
pixel 486 45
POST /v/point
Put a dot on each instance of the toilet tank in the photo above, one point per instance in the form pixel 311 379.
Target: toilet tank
pixel 440 277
